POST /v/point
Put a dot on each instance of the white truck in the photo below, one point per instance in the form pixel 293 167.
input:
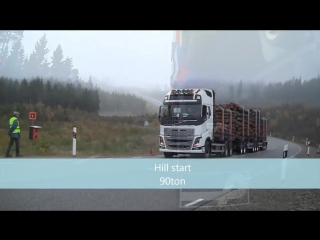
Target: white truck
pixel 187 121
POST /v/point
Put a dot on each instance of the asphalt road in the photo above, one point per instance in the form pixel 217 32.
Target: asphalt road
pixel 102 199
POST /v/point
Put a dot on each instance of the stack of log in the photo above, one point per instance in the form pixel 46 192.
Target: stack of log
pixel 261 128
pixel 253 123
pixel 218 123
pixel 237 116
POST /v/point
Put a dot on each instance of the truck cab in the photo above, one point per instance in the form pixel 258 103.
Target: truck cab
pixel 186 121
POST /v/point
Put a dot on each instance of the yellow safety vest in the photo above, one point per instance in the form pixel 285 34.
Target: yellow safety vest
pixel 17 130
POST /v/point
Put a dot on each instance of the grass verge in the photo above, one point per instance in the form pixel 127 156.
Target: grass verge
pixel 93 138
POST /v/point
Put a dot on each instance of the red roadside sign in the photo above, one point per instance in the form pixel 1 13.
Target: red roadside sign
pixel 32 116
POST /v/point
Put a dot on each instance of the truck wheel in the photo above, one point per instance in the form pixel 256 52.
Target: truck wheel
pixel 230 149
pixel 207 149
pixel 168 154
pixel 241 148
pixel 226 149
pixel 244 148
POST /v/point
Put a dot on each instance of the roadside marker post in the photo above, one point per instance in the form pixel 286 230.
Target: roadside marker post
pixel 284 161
pixel 74 141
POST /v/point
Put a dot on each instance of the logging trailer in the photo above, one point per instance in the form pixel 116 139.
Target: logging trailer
pixel 188 123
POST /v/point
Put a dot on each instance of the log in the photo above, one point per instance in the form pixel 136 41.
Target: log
pixel 238 117
pixel 253 124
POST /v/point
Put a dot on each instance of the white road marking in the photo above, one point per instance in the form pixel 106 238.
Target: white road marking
pixel 194 202
pixel 297 152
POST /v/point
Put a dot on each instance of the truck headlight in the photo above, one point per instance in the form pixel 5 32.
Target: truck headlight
pixel 161 142
pixel 197 142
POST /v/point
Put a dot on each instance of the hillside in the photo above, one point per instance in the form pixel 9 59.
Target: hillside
pixel 60 106
pixel 299 120
pixel 44 95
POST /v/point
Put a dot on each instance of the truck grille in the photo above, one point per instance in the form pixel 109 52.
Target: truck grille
pixel 178 139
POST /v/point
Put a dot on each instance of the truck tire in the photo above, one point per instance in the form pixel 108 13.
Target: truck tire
pixel 226 149
pixel 244 148
pixel 207 150
pixel 168 154
pixel 230 149
pixel 265 146
pixel 252 149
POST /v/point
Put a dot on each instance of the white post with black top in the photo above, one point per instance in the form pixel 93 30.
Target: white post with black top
pixel 284 161
pixel 74 143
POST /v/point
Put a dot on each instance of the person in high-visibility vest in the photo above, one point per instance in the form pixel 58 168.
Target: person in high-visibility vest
pixel 14 133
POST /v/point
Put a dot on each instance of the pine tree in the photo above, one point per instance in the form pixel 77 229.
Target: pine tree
pixel 75 75
pixel 37 65
pixel 13 64
pixel 67 68
pixel 57 67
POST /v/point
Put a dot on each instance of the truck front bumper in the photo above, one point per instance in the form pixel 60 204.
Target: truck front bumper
pixel 201 150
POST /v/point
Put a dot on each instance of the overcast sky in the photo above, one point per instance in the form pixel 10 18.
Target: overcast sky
pixel 143 58
pixel 124 57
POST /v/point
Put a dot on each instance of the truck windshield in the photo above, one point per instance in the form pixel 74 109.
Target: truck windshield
pixel 181 110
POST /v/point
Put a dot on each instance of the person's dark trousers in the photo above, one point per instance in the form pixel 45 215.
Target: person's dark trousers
pixel 12 141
